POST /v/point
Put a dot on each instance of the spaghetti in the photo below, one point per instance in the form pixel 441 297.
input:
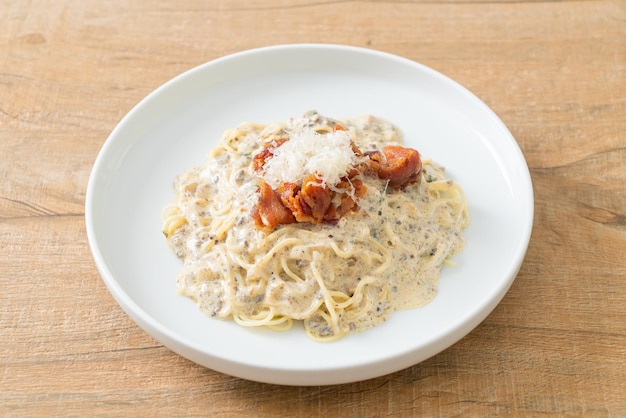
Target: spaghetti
pixel 339 273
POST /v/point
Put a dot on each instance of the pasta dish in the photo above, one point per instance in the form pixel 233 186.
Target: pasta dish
pixel 329 223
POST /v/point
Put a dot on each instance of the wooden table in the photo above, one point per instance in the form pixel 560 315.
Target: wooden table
pixel 554 71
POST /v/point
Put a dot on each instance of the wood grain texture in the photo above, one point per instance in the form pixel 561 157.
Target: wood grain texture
pixel 554 71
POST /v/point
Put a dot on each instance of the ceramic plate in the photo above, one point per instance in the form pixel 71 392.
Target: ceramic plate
pixel 173 128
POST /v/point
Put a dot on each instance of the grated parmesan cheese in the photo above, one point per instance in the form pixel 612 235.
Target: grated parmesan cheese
pixel 328 156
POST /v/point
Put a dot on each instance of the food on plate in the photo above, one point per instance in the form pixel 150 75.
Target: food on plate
pixel 331 223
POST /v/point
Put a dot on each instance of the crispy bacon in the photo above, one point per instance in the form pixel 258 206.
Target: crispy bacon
pixel 290 197
pixel 316 197
pixel 401 166
pixel 308 203
pixel 259 160
pixel 270 211
pixel 347 201
pixel 313 202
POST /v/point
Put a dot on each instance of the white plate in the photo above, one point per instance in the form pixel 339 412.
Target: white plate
pixel 173 128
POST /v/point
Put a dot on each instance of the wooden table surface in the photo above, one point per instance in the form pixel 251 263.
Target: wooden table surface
pixel 554 72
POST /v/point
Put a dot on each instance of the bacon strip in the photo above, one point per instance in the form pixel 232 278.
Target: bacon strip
pixel 313 202
pixel 259 160
pixel 270 211
pixel 401 166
